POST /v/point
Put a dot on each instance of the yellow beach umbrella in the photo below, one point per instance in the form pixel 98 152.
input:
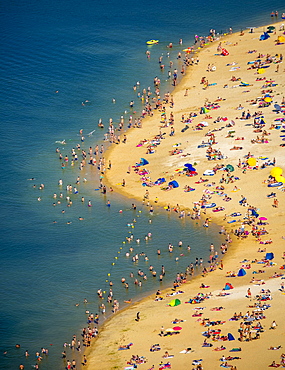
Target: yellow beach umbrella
pixel 276 171
pixel 280 178
pixel 268 99
pixel 251 162
pixel 260 70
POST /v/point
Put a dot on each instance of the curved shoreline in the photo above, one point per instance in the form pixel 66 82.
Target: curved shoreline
pixel 238 249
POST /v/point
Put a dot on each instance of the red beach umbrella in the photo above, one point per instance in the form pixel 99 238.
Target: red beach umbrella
pixel 177 328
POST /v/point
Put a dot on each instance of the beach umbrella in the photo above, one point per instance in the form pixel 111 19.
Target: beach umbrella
pixel 260 70
pixel 177 328
pixel 251 161
pixel 268 99
pixel 280 178
pixel 229 167
pixel 251 29
pixel 271 28
pixel 276 171
pixel 169 330
pixel 262 218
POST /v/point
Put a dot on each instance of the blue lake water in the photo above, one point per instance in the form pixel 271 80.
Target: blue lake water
pixel 55 55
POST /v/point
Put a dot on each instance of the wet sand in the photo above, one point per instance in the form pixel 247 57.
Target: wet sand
pixel 234 143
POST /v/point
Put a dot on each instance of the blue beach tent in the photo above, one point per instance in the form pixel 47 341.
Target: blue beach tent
pixel 228 286
pixel 230 337
pixel 190 167
pixel 264 36
pixel 174 184
pixel 269 256
pixel 143 162
pixel 159 181
pixel 254 213
pixel 241 272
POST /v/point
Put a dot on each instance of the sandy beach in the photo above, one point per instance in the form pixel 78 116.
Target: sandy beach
pixel 232 107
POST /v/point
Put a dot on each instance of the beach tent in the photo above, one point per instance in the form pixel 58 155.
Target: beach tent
pixel 143 162
pixel 262 122
pixel 264 36
pixel 228 286
pixel 225 52
pixel 269 256
pixel 159 181
pixel 277 108
pixel 174 184
pixel 280 40
pixel 204 110
pixel 254 213
pixel 230 337
pixel 190 167
pixel 174 302
pixel 241 272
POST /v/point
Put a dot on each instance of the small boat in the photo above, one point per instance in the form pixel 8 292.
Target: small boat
pixel 152 42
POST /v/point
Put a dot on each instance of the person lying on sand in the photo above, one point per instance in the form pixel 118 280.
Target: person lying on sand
pixel 155 347
pixel 275 348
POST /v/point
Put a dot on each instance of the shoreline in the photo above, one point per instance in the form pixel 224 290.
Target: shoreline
pixel 237 249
